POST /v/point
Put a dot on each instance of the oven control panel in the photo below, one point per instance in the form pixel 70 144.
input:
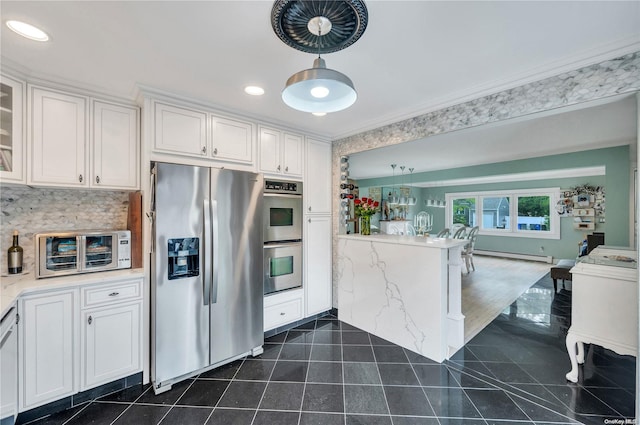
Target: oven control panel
pixel 283 186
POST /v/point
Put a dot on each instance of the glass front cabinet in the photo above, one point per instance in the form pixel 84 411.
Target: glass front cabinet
pixel 11 130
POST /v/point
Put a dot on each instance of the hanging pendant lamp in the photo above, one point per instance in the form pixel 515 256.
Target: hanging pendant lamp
pixel 319 27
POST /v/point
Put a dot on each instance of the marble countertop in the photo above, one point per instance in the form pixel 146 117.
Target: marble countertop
pixel 13 286
pixel 429 242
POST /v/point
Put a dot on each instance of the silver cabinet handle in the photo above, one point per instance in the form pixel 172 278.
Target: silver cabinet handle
pixel 309 208
pixel 80 178
pixel 282 314
pixel 90 320
pixel 309 220
pixel 114 294
pixel 97 179
pixel 286 168
pixel 204 149
pixel 278 168
pixel 215 151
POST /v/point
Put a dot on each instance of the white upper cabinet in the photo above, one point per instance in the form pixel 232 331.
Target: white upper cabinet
pixel 58 136
pixel 269 146
pixel 180 130
pixel 12 146
pixel 115 156
pixel 317 184
pixel 292 154
pixel 281 152
pixel 62 154
pixel 231 140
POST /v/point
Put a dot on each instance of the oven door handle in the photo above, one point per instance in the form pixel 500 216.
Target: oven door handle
pixel 282 195
pixel 283 245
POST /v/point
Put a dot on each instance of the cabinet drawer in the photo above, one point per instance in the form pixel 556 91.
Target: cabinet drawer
pixel 283 313
pixel 113 293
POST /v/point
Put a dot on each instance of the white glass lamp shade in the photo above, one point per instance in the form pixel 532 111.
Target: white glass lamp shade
pixel 319 90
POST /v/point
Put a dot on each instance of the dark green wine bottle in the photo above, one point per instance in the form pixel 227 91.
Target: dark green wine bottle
pixel 15 255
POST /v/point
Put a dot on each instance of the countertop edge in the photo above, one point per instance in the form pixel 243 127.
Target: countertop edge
pixel 13 287
pixel 427 242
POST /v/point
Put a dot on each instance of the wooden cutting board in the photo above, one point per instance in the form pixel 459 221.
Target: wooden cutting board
pixel 134 225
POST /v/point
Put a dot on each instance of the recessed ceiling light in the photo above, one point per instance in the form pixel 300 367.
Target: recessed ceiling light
pixel 319 114
pixel 28 31
pixel 254 90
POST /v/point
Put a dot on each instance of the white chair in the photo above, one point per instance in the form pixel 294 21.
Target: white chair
pixel 467 250
pixel 455 227
pixel 461 233
pixel 444 233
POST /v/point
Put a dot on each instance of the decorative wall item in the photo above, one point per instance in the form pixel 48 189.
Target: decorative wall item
pixel 585 203
pixel 345 191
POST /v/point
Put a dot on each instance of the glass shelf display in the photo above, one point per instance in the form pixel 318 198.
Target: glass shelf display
pixel 6 127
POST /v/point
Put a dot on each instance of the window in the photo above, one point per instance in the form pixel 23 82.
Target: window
pixel 496 212
pixel 464 211
pixel 533 213
pixel 521 213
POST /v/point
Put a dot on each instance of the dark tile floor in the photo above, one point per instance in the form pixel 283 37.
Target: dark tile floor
pixel 327 372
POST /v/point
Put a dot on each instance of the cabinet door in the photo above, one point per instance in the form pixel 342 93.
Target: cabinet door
pixel 317 244
pixel 8 366
pixel 231 140
pixel 317 185
pixel 110 344
pixel 292 154
pixel 12 147
pixel 58 135
pixel 180 130
pixel 46 361
pixel 269 146
pixel 115 146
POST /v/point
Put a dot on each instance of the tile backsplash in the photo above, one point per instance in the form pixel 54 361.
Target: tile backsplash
pixel 34 210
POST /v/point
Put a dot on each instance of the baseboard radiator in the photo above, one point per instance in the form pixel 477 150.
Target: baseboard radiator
pixel 541 258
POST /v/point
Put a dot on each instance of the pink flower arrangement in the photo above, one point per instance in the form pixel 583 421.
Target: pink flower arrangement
pixel 366 206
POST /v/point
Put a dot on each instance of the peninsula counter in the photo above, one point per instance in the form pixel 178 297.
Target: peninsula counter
pixel 405 289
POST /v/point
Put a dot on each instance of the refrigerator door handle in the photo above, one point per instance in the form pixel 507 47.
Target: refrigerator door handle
pixel 206 277
pixel 216 248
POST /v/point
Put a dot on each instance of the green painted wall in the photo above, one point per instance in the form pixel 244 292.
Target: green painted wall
pixel 616 183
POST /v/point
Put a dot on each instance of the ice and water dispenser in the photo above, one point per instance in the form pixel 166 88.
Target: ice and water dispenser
pixel 184 258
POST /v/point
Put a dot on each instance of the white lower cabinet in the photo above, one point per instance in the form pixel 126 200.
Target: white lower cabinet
pixel 283 308
pixel 9 367
pixel 47 358
pixel 317 263
pixel 111 344
pixel 76 339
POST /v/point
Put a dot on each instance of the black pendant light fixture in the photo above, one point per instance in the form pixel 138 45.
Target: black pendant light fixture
pixel 319 26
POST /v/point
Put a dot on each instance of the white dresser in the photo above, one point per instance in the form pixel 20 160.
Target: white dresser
pixel 604 306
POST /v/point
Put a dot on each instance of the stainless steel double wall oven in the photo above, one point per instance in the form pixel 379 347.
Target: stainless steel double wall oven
pixel 282 235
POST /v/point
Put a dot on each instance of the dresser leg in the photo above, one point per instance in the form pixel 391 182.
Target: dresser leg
pixel 573 356
pixel 580 356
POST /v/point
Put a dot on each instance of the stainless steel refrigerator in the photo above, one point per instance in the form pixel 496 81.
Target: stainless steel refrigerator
pixel 206 281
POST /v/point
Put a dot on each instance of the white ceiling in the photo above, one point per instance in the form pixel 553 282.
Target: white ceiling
pixel 415 56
